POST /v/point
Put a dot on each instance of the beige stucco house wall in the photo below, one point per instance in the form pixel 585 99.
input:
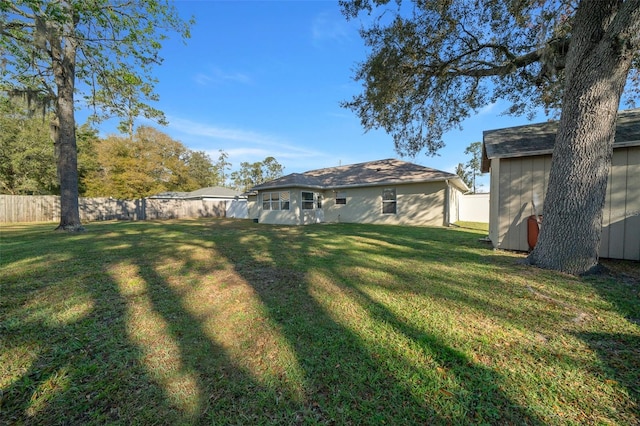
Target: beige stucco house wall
pixel 415 195
pixel 416 204
pixel 519 179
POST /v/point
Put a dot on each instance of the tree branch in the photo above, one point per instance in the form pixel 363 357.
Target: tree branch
pixel 557 46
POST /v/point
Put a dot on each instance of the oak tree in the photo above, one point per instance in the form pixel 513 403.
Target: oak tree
pixel 433 63
pixel 104 49
pixel 201 169
pixel 149 163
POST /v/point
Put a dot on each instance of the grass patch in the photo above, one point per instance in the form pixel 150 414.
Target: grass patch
pixel 232 322
pixel 476 226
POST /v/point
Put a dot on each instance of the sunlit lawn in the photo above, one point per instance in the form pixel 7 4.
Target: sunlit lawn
pixel 233 322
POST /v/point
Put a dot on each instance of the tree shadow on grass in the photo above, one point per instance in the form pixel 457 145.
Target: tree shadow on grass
pixel 479 389
pixel 620 356
pixel 619 284
pixel 237 376
pixel 82 371
pixel 344 370
pixel 197 322
pixel 133 355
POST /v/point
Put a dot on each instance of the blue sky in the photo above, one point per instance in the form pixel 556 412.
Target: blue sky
pixel 265 78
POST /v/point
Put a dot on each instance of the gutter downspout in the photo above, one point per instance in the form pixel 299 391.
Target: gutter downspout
pixel 447 200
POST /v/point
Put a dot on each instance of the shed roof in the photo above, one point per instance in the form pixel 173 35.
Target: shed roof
pixel 372 173
pixel 539 138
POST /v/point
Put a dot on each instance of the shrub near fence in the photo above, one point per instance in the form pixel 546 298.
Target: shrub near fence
pixel 46 208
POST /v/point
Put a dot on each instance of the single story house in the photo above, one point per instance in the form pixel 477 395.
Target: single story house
pixel 384 192
pixel 519 159
pixel 235 201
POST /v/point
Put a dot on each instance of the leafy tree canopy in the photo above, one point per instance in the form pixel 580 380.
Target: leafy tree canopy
pixel 149 163
pixel 464 174
pixel 474 165
pixel 116 46
pixel 252 174
pixel 433 63
pixel 104 49
pixel 27 165
pixel 222 165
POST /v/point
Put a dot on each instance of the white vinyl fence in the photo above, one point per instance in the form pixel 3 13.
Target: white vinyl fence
pixel 474 208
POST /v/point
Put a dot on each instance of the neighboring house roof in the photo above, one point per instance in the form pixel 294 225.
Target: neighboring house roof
pixel 170 194
pixel 538 139
pixel 209 192
pixel 373 173
pixel 215 192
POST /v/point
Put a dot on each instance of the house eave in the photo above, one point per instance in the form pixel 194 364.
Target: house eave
pixel 256 190
pixel 362 185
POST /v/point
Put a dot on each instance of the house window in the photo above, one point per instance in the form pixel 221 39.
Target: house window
pixel 341 198
pixel 307 200
pixel 319 201
pixel 389 201
pixel 275 200
pixel 284 200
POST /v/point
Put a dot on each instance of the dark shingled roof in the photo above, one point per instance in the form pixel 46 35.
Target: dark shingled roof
pixel 215 191
pixel 373 173
pixel 538 139
pixel 209 192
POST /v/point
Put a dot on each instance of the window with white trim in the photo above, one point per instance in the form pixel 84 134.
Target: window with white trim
pixel 389 201
pixel 307 200
pixel 275 200
pixel 341 197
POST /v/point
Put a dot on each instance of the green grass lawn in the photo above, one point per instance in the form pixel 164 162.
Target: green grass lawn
pixel 233 322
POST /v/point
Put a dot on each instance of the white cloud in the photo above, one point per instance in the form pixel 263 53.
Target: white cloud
pixel 247 152
pixel 345 114
pixel 202 129
pixel 245 145
pixel 487 108
pixel 218 76
pixel 326 26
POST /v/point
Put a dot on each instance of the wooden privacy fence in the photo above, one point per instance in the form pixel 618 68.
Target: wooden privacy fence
pixel 177 209
pixel 46 208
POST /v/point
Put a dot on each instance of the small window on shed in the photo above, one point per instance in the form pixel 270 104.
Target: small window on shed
pixel 341 197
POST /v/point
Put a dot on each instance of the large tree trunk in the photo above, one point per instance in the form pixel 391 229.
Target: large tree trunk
pixel 63 52
pixel 598 63
pixel 67 163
